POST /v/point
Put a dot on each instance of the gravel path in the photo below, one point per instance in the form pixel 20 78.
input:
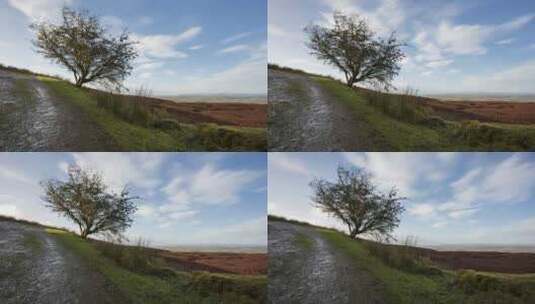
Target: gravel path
pixel 303 117
pixel 36 269
pixel 32 118
pixel 319 274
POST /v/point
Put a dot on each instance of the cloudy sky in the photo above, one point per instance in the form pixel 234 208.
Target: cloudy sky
pixel 187 198
pixel 186 47
pixel 453 198
pixel 453 46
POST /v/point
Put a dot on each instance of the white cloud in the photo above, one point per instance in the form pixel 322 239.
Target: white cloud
pixel 509 182
pixel 385 18
pixel 196 47
pixel 506 41
pixel 120 170
pixel 9 210
pixel 275 30
pixel 286 163
pixel 516 79
pixel 236 37
pixel 40 9
pixel 146 20
pixel 438 63
pixel 165 46
pixel 15 175
pixel 246 77
pixel 235 49
pixel 423 210
pixel 214 187
pixel 402 170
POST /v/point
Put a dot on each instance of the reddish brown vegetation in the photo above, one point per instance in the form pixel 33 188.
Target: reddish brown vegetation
pixel 236 263
pixel 231 114
pixel 484 261
pixel 485 111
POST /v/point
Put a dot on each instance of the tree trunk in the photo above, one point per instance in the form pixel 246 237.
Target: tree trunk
pixel 353 234
pixel 84 234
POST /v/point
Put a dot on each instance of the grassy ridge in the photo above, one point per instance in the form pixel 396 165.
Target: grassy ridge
pixel 132 135
pixel 169 286
pixel 442 287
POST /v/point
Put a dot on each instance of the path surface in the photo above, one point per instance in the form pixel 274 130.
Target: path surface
pixel 317 274
pixel 36 269
pixel 303 117
pixel 32 118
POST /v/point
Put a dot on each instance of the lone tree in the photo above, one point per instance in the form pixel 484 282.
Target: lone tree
pixel 80 43
pixel 355 200
pixel 352 47
pixel 84 199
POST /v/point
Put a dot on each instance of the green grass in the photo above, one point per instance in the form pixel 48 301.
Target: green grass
pixel 184 137
pixel 416 132
pixel 441 288
pixel 32 242
pixel 400 136
pixel 303 241
pixel 176 287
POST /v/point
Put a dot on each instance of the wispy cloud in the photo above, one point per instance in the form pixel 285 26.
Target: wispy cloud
pixel 236 37
pixel 235 49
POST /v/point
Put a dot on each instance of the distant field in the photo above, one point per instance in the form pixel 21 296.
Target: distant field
pixel 256 99
pixel 479 247
pixel 485 97
pixel 228 249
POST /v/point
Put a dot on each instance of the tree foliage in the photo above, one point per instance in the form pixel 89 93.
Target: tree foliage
pixel 351 46
pixel 81 44
pixel 84 199
pixel 357 202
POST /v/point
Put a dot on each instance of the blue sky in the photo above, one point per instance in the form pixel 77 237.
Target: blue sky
pixel 186 47
pixel 453 198
pixel 187 198
pixel 454 46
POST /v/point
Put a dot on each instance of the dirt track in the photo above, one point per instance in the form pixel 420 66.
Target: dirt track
pixel 32 118
pixel 303 117
pixel 36 269
pixel 315 274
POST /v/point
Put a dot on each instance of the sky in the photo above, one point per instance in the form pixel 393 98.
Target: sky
pixel 453 46
pixel 185 47
pixel 452 198
pixel 186 198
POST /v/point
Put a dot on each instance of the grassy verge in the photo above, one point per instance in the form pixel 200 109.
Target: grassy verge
pixel 401 136
pixel 168 286
pixel 437 287
pixel 303 241
pixel 406 126
pixel 135 129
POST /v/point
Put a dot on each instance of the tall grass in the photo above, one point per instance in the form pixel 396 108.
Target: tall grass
pixel 133 109
pixel 137 258
pixel 406 106
pixel 406 256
